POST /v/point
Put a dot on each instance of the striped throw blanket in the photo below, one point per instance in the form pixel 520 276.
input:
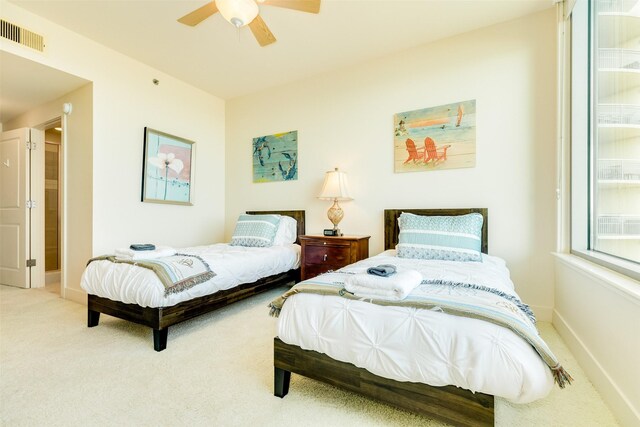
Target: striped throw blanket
pixel 451 298
pixel 177 273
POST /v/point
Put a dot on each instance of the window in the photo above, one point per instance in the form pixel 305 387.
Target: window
pixel 605 132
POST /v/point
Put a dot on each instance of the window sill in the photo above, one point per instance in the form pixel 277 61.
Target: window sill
pixel 624 285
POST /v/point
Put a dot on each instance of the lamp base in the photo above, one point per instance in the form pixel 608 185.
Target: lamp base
pixel 335 214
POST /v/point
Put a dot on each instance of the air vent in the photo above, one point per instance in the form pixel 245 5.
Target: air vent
pixel 21 35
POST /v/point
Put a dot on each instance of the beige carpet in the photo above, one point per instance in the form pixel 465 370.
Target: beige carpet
pixel 217 371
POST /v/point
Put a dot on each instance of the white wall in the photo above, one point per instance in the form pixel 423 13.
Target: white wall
pixel 125 101
pixel 345 119
pixel 597 313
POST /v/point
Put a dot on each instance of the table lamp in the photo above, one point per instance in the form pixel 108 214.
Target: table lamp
pixel 335 188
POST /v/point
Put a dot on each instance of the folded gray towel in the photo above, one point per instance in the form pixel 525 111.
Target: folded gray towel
pixel 143 247
pixel 384 270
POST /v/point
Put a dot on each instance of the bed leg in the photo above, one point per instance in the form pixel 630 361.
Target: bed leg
pixel 281 381
pixel 160 339
pixel 93 317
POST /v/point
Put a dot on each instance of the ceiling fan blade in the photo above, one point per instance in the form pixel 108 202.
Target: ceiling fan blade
pixel 310 6
pixel 199 15
pixel 261 32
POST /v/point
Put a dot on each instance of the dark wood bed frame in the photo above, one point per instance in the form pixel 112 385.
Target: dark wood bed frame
pixel 160 318
pixel 451 404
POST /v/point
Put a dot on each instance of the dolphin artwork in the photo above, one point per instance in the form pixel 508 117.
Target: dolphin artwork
pixel 289 172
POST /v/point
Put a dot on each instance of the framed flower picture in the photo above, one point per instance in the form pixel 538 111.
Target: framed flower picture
pixel 167 172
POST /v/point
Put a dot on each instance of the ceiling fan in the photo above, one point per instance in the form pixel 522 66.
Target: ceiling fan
pixel 246 12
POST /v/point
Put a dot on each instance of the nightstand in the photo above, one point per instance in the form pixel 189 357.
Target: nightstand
pixel 323 253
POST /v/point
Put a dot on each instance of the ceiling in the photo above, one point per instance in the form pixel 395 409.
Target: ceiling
pixel 229 63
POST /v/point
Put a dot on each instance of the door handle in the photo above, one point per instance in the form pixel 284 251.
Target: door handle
pixel 324 258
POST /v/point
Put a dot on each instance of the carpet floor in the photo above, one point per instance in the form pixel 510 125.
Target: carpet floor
pixel 217 370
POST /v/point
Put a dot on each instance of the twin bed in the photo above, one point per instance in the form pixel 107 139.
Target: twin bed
pixel 135 294
pixel 425 360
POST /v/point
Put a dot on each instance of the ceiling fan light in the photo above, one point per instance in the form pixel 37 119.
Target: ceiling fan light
pixel 238 12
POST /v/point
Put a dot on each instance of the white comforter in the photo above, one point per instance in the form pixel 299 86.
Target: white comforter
pixel 233 266
pixel 408 344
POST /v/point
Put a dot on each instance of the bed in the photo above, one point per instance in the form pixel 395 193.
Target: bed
pixel 159 318
pixel 344 341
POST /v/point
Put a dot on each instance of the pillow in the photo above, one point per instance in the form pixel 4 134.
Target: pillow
pixel 451 238
pixel 255 230
pixel 287 232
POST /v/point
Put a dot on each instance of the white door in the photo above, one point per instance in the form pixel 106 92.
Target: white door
pixel 18 215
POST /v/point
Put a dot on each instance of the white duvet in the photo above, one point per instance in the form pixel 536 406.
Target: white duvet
pixel 409 344
pixel 233 265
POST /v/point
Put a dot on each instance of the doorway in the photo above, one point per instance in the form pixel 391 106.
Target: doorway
pixel 31 95
pixel 52 203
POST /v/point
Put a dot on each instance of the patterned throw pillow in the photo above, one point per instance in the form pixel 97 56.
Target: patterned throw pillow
pixel 255 230
pixel 451 238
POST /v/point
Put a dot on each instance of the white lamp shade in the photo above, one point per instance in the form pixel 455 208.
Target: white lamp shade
pixel 238 12
pixel 335 186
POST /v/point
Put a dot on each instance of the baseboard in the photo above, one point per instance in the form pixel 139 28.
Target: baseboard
pixel 616 400
pixel 543 314
pixel 75 295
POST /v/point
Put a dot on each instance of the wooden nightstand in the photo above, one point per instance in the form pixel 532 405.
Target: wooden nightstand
pixel 323 253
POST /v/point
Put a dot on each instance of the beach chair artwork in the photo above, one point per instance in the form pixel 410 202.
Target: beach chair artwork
pixel 435 138
pixel 427 153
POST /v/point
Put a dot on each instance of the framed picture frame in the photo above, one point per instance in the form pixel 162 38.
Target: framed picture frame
pixel 435 138
pixel 275 157
pixel 167 168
